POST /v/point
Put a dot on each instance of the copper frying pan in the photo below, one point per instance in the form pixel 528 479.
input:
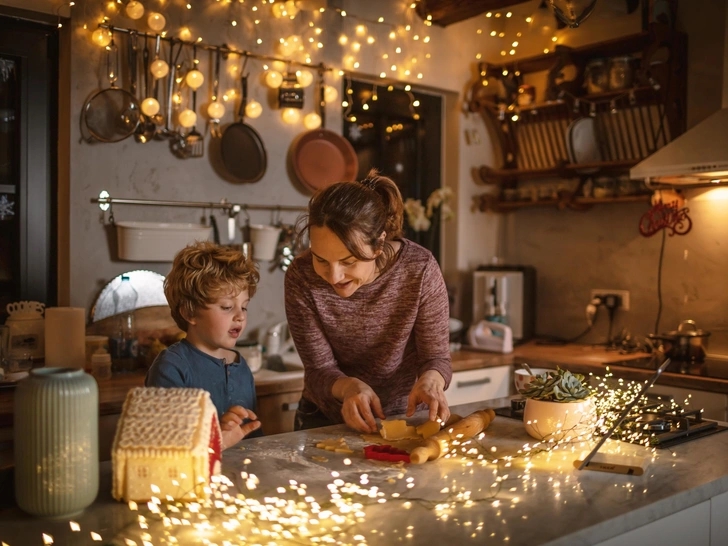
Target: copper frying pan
pixel 321 157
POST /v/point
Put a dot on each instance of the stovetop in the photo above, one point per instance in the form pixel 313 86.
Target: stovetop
pixel 666 428
pixel 711 367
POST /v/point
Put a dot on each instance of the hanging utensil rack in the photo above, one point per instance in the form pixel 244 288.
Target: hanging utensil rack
pixel 106 202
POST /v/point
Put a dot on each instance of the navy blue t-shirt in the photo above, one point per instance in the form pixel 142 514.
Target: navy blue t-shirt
pixel 184 365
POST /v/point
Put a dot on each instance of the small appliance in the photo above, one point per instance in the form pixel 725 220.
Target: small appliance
pixel 506 294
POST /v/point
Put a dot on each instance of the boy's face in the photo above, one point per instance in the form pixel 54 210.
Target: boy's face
pixel 217 326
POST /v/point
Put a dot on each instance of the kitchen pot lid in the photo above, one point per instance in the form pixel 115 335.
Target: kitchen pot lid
pixel 684 331
pixel 322 157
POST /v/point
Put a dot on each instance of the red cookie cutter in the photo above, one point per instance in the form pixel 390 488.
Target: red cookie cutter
pixel 386 453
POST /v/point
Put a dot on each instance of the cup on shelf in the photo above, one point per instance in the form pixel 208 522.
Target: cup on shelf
pixel 596 77
pixel 621 73
pixel 265 241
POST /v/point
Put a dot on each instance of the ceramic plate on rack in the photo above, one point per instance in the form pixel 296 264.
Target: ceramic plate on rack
pixel 581 143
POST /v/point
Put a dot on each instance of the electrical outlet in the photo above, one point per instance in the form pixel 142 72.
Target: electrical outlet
pixel 623 296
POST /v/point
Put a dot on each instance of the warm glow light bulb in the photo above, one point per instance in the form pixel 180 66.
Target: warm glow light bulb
pixel 280 66
pixel 305 77
pixel 101 37
pixel 135 10
pixel 277 10
pixel 361 30
pixel 159 68
pixel 185 34
pixel 291 115
pixel 273 79
pixel 216 110
pixel 330 94
pixel 150 106
pixel 156 21
pixel 253 109
pixel 290 8
pixel 312 121
pixel 194 79
pixel 187 118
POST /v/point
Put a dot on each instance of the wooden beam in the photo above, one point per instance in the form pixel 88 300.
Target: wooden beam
pixel 447 12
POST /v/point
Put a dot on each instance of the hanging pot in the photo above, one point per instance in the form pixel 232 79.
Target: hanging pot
pixel 686 344
pixel 243 153
pixel 321 157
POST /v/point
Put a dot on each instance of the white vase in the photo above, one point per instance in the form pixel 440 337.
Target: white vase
pixel 546 420
pixel 56 442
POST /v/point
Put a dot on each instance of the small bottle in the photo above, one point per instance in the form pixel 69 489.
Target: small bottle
pixel 101 365
pixel 124 344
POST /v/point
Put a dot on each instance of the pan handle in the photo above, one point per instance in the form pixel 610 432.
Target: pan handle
pixel 112 62
pixel 322 102
pixel 244 96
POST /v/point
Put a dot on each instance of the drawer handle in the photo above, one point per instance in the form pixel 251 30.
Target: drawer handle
pixel 473 383
pixel 290 406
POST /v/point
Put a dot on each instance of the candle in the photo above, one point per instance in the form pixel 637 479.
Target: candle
pixel 65 337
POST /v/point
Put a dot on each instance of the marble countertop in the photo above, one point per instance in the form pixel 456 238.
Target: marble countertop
pixel 542 501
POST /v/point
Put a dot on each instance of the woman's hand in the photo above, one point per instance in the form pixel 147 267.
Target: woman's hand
pixel 429 389
pixel 233 429
pixel 359 400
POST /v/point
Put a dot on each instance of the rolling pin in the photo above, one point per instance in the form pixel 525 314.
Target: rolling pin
pixel 438 444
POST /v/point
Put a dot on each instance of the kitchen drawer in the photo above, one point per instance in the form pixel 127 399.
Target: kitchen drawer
pixel 276 412
pixel 478 385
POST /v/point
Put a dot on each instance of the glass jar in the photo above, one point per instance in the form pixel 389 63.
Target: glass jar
pixel 620 73
pixel 596 78
pixel 252 352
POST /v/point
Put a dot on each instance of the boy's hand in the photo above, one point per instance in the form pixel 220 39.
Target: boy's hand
pixel 233 429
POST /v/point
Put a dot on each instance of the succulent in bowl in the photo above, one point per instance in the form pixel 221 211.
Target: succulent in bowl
pixel 558 386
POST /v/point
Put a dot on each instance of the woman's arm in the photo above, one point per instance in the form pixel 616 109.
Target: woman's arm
pixel 322 370
pixel 432 338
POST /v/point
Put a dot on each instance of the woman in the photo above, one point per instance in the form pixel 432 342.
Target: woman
pixel 368 312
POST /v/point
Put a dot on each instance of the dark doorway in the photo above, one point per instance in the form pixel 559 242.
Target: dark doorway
pixel 28 154
pixel 401 140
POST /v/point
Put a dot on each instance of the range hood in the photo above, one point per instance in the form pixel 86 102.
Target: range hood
pixel 699 157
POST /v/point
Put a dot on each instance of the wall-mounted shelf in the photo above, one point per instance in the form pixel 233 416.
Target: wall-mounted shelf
pixel 629 124
pixel 493 203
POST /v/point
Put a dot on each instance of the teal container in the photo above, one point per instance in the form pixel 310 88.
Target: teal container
pixel 56 442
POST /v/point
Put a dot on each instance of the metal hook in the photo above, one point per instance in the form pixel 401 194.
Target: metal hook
pixel 247 216
pixel 276 216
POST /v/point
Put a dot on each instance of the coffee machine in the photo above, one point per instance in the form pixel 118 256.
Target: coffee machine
pixel 506 294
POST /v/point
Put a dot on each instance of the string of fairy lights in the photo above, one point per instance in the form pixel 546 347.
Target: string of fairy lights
pixel 397 49
pixel 243 508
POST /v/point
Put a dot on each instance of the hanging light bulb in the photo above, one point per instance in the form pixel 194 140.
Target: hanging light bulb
pixel 216 110
pixel 187 118
pixel 156 21
pixel 305 77
pixel 273 79
pixel 277 9
pixel 159 68
pixel 101 37
pixel 312 121
pixel 291 115
pixel 135 10
pixel 185 35
pixel 150 106
pixel 194 79
pixel 330 94
pixel 253 109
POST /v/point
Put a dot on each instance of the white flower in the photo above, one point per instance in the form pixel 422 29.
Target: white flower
pixel 419 216
pixel 416 215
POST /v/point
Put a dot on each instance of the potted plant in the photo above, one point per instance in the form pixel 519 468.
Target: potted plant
pixel 558 406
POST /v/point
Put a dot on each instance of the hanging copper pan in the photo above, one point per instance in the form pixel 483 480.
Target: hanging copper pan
pixel 321 157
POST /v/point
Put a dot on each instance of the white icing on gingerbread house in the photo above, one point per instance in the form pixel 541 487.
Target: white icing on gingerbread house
pixel 168 443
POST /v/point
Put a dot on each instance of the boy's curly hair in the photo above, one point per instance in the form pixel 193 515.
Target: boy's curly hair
pixel 201 273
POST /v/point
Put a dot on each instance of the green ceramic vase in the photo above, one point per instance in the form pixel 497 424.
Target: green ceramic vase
pixel 56 442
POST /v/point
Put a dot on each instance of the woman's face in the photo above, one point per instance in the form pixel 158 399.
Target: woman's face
pixel 335 264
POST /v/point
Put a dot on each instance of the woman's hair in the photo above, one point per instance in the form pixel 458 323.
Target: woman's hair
pixel 358 213
pixel 203 272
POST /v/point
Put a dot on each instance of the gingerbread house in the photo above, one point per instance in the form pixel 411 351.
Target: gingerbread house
pixel 168 443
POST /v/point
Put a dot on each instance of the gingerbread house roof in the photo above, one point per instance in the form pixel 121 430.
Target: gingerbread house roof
pixel 162 419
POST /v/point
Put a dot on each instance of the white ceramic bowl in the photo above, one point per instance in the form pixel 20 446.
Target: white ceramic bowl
pixel 521 378
pixel 546 421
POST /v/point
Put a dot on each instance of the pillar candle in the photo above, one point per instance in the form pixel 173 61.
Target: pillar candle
pixel 65 337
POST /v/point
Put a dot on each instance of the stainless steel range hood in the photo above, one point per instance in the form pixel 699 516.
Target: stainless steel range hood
pixel 698 157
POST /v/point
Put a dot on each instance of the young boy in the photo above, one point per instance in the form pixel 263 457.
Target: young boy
pixel 208 291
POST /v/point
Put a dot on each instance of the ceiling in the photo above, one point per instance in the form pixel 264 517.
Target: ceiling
pixel 447 12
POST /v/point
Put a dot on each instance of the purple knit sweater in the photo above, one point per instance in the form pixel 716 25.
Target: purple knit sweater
pixel 387 333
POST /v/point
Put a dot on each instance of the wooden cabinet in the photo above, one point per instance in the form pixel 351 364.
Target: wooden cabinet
pixel 478 385
pixel 277 411
pixel 626 124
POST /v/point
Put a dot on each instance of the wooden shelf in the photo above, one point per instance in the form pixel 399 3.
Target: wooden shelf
pixel 564 170
pixel 489 202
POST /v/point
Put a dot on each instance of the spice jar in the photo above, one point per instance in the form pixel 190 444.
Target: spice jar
pixel 620 73
pixel 596 78
pixel 252 352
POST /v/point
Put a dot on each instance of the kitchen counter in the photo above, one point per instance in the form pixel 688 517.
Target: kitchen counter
pixel 543 501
